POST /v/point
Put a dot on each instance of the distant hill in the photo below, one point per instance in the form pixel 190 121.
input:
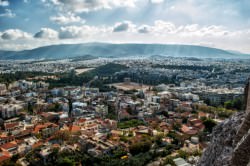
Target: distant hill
pixel 83 58
pixel 69 51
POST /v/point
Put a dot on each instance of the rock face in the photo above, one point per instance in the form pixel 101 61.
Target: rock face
pixel 241 155
pixel 220 150
pixel 230 144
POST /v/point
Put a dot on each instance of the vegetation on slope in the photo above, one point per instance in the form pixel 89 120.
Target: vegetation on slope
pixel 72 79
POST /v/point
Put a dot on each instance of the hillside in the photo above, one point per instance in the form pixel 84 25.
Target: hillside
pixel 69 51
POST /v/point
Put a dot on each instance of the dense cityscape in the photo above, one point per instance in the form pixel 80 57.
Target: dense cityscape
pixel 124 83
pixel 136 111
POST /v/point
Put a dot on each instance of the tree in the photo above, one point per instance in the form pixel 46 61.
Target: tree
pixel 174 136
pixel 169 160
pixel 38 135
pixel 134 97
pixel 184 120
pixel 62 136
pixel 165 113
pixel 111 112
pixel 183 154
pixel 57 107
pixel 238 104
pixel 140 147
pixel 118 153
pixel 228 104
pixel 158 139
pixel 12 161
pixel 234 104
pixel 177 126
pixel 54 107
pixel 129 110
pixel 30 108
pixel 70 107
pixel 207 101
pixel 130 123
pixel 66 162
pixel 209 125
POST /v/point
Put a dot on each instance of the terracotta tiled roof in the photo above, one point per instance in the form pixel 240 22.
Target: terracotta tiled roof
pixel 38 144
pixel 10 125
pixel 200 126
pixel 185 129
pixel 74 128
pixel 7 137
pixel 56 146
pixel 195 121
pixel 43 126
pixel 25 132
pixel 163 124
pixel 191 132
pixel 91 125
pixel 81 120
pixel 9 145
pixel 124 113
pixel 3 157
pixel 39 127
pixel 19 141
pixel 185 114
pixel 202 114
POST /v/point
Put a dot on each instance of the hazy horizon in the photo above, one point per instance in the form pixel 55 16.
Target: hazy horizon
pixel 28 24
pixel 56 44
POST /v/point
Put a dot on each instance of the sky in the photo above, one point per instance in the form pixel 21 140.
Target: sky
pixel 27 24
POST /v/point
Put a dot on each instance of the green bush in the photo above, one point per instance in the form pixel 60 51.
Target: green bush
pixel 130 123
pixel 140 147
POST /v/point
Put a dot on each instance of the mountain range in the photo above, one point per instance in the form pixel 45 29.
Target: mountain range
pixel 71 51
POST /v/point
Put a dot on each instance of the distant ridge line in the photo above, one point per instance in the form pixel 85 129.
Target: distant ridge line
pixel 108 50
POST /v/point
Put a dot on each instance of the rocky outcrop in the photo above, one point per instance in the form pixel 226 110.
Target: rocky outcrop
pixel 241 155
pixel 230 144
pixel 220 150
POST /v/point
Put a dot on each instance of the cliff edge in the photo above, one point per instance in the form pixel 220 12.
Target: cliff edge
pixel 230 143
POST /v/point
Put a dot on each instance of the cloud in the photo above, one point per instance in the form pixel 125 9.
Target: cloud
pixel 4 3
pixel 14 34
pixel 67 19
pixel 123 26
pixel 84 31
pixel 144 29
pixel 90 5
pixel 164 27
pixel 46 33
pixel 8 13
pixel 191 28
pixel 159 32
pixel 157 1
pixel 70 32
pixel 212 31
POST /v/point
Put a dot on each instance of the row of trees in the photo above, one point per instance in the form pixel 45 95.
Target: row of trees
pixel 236 104
pixel 185 67
pixel 72 79
pixel 130 123
pixel 220 111
pixel 8 78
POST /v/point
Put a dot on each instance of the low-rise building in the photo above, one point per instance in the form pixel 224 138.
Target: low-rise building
pixel 10 110
pixel 46 130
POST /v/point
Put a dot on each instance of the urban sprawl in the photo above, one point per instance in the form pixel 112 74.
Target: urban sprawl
pixel 135 111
